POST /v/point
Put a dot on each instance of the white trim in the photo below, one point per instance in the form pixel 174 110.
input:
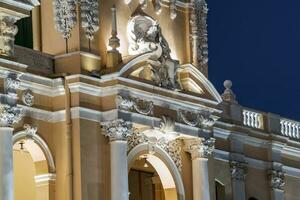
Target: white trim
pixel 42 145
pixel 44 115
pixel 207 84
pixel 18 4
pixel 44 178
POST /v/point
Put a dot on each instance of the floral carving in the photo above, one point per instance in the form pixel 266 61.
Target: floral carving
pixel 65 16
pixel 89 17
pixel 117 129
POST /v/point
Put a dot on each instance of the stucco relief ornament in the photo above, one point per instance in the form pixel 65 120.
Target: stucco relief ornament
pixel 135 104
pixel 145 35
pixel 277 179
pixel 8 30
pixel 238 170
pixel 89 17
pixel 201 118
pixel 198 23
pixel 65 16
pixel 30 130
pixel 28 98
pixel 10 115
pixel 117 129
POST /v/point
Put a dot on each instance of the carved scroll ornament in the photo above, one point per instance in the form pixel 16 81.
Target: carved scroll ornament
pixel 202 118
pixel 135 104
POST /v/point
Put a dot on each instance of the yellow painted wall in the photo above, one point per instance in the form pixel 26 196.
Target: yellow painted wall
pixel 24 172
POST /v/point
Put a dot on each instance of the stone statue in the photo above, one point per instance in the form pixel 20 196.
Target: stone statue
pixel 145 35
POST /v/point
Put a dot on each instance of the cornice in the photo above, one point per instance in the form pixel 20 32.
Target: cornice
pixel 256 164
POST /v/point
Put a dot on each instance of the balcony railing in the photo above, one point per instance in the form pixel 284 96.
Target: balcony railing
pixel 290 128
pixel 253 119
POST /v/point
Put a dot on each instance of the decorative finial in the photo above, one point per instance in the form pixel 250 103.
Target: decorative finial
pixel 228 94
pixel 113 55
pixel 114 41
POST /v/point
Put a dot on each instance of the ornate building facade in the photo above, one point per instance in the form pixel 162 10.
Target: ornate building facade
pixel 110 100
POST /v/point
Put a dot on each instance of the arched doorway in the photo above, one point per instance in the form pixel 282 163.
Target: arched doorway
pixel 153 176
pixel 34 169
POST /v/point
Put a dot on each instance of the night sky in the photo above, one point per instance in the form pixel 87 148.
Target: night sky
pixel 256 45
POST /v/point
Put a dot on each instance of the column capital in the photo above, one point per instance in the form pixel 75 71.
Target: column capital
pixel 277 179
pixel 238 170
pixel 199 147
pixel 10 115
pixel 117 129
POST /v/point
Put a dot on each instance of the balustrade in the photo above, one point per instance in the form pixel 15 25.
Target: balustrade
pixel 253 119
pixel 290 128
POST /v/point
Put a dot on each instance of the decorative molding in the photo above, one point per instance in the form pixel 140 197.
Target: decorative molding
pixel 135 104
pixel 28 98
pixel 117 129
pixel 199 147
pixel 238 170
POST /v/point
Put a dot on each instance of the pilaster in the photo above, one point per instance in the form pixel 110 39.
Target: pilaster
pixel 200 150
pixel 238 174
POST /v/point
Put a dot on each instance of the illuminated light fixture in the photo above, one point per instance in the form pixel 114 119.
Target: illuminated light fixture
pixel 21 145
pixel 146 164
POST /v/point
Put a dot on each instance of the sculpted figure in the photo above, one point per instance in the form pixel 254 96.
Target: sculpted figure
pixel 145 35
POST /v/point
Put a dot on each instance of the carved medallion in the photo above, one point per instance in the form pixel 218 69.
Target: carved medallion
pixel 28 98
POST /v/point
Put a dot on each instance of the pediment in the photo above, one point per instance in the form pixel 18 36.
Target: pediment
pixel 190 79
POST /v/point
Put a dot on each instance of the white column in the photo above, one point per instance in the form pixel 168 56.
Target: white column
pixel 6 164
pixel 238 180
pixel 118 131
pixel 200 149
pixel 277 184
pixel 10 115
pixel 119 170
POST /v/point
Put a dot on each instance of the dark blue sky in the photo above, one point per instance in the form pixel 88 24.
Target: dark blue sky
pixel 256 45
